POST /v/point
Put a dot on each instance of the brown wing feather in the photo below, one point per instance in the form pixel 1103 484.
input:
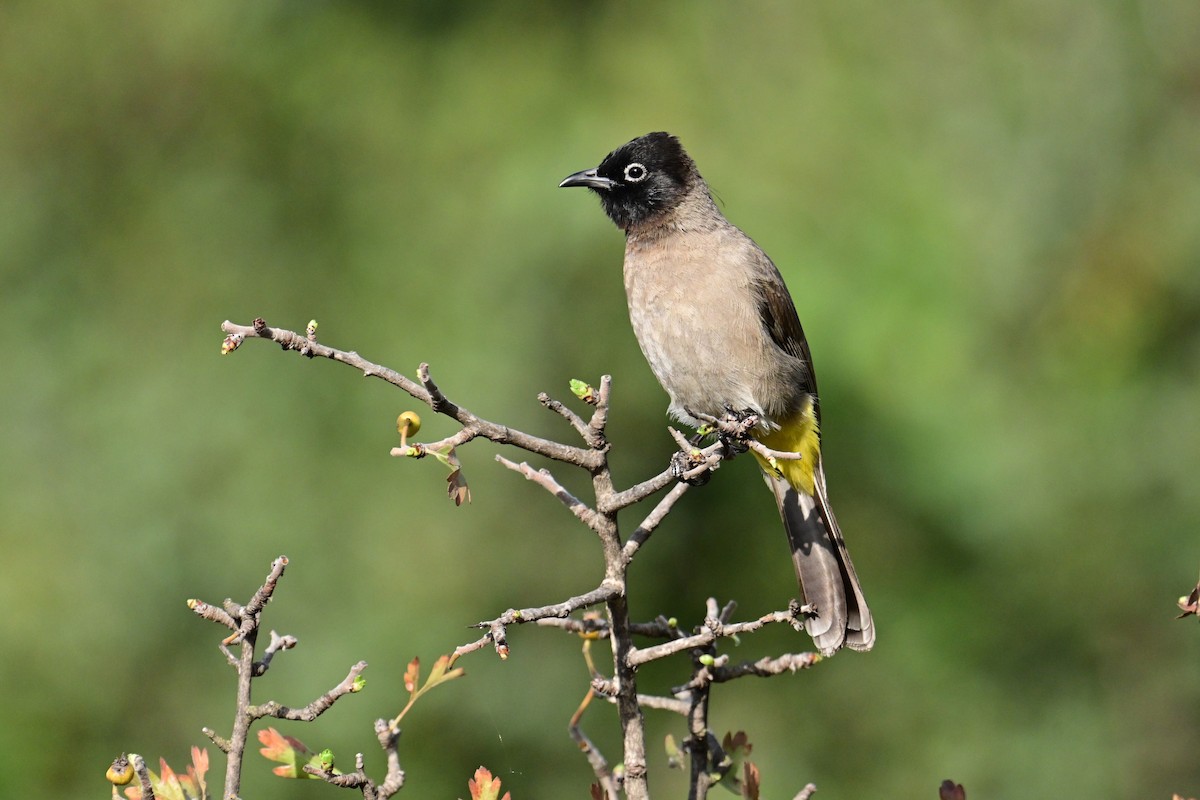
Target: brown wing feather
pixel 778 314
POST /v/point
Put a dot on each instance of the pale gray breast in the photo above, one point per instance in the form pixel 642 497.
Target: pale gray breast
pixel 696 316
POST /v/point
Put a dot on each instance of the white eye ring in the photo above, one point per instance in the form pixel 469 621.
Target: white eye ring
pixel 635 172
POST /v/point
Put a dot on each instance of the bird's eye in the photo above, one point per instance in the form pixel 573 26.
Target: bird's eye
pixel 635 172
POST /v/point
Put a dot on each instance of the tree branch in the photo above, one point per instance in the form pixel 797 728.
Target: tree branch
pixel 425 392
pixel 314 709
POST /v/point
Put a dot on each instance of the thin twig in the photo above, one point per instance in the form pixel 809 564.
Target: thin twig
pixel 495 627
pixel 712 630
pixel 543 478
pixel 277 644
pixel 143 773
pixel 317 707
pixel 766 667
pixel 573 419
pixel 425 392
pixel 642 533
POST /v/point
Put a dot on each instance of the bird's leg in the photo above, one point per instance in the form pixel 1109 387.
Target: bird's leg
pixel 734 429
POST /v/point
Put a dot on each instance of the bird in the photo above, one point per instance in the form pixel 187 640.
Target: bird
pixel 719 330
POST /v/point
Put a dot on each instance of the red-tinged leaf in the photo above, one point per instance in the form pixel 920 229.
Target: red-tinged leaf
pixel 441 672
pixel 412 675
pixel 484 787
pixel 277 746
pixel 167 787
pixel 197 769
pixel 750 781
pixel 597 791
pixel 292 753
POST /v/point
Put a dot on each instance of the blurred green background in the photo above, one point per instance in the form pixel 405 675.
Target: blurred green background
pixel 989 214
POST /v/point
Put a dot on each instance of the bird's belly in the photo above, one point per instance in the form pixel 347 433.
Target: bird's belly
pixel 691 353
pixel 697 317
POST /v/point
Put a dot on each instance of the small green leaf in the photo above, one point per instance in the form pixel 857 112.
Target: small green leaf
pixel 584 391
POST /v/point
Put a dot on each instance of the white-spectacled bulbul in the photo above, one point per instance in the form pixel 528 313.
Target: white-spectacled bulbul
pixel 715 321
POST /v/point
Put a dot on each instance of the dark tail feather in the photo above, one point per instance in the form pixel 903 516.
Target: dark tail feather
pixel 823 567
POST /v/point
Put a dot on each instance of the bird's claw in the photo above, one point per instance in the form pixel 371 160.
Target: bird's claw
pixel 682 463
pixel 733 429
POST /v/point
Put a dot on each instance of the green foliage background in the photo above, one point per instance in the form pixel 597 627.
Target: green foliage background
pixel 988 214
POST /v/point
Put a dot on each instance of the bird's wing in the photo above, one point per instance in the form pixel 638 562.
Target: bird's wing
pixel 779 318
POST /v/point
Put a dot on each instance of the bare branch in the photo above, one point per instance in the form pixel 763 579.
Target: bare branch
pixel 213 613
pixel 608 690
pixel 595 758
pixel 599 422
pixel 765 667
pixel 658 703
pixel 264 593
pixel 388 738
pixel 712 630
pixel 520 616
pixel 314 709
pixel 496 627
pixel 394 780
pixel 573 419
pixel 437 401
pixel 426 392
pixel 277 643
pixel 482 641
pixel 652 520
pixel 543 478
pixel 220 741
pixel 636 493
pixel 421 449
pixel 593 627
pixel 139 767
pixel 768 453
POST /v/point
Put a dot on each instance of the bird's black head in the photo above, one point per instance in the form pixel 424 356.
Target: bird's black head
pixel 640 179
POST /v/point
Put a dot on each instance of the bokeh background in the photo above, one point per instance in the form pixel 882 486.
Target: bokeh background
pixel 989 214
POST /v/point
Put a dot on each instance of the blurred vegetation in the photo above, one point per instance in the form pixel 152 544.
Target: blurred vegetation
pixel 988 214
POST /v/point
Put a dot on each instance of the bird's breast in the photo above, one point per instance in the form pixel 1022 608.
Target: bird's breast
pixel 693 310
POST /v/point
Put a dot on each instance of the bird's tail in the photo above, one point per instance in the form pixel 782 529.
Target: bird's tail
pixel 823 566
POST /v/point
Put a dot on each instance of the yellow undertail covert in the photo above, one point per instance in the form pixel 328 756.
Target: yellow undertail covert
pixel 797 434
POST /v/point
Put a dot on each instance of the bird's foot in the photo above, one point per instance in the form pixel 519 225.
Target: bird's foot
pixel 734 429
pixel 683 464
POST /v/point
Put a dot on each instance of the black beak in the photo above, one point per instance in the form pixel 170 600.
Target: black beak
pixel 588 178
